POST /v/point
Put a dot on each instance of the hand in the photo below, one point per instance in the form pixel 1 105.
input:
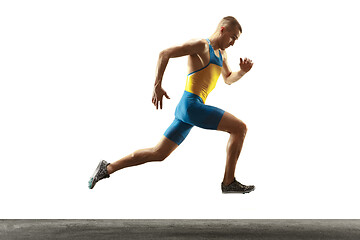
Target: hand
pixel 157 97
pixel 246 64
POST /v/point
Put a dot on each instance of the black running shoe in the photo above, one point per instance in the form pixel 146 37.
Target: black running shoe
pixel 236 187
pixel 100 173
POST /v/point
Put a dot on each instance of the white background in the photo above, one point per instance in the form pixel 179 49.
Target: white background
pixel 76 81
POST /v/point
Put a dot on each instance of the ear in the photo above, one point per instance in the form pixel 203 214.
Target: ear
pixel 222 29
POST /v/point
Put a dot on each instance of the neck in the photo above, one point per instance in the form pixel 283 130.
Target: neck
pixel 214 41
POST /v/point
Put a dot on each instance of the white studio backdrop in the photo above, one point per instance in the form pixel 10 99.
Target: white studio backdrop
pixel 76 81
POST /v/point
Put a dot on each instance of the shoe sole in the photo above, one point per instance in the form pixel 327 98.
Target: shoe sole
pixel 92 184
pixel 249 191
pixel 236 192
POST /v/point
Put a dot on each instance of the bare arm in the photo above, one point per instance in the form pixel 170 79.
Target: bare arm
pixel 189 48
pixel 231 77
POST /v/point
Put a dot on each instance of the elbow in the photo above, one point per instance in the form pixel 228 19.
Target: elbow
pixel 226 80
pixel 164 55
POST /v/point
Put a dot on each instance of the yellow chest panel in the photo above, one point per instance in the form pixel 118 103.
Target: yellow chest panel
pixel 203 81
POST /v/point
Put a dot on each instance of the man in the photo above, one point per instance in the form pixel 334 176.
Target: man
pixel 207 59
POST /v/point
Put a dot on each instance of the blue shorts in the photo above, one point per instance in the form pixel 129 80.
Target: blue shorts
pixel 191 111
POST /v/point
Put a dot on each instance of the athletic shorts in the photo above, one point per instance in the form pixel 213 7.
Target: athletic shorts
pixel 191 111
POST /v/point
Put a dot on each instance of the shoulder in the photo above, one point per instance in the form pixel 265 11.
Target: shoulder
pixel 191 47
pixel 198 43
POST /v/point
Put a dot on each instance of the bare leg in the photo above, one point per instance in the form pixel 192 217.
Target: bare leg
pixel 158 153
pixel 237 130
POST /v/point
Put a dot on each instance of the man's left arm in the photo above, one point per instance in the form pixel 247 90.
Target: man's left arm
pixel 231 77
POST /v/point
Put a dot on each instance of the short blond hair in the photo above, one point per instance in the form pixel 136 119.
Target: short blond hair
pixel 230 22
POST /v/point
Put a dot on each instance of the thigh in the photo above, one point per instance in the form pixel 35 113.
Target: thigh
pixel 177 131
pixel 205 116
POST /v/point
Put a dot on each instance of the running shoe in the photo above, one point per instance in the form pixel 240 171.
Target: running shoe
pixel 236 187
pixel 100 173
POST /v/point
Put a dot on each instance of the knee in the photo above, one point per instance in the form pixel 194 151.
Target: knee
pixel 244 127
pixel 241 128
pixel 159 155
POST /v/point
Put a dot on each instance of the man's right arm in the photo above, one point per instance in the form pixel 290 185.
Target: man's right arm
pixel 189 48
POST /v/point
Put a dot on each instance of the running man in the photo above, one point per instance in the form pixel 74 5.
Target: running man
pixel 207 59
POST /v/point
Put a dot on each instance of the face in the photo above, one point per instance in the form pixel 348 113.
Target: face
pixel 228 37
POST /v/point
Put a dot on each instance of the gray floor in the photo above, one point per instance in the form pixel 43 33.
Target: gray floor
pixel 179 229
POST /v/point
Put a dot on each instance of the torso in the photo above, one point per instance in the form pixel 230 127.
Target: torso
pixel 204 70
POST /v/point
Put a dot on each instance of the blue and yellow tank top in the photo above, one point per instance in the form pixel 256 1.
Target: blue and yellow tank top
pixel 201 82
